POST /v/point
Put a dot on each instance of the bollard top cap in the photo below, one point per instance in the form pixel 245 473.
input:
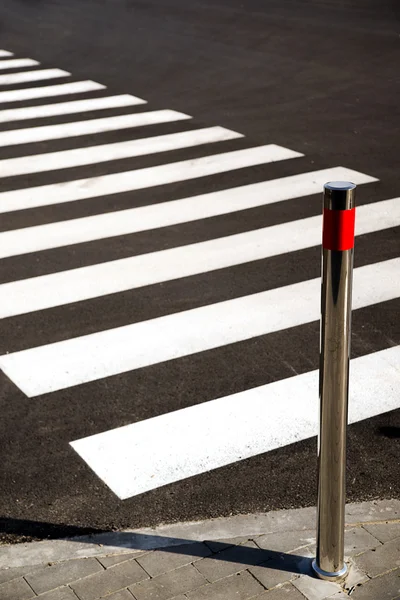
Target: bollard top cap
pixel 340 185
pixel 339 195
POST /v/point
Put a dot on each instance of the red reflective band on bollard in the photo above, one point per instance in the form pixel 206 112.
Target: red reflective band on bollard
pixel 338 229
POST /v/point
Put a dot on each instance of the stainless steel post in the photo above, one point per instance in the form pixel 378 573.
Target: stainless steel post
pixel 337 274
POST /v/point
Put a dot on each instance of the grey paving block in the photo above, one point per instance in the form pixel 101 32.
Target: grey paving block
pixel 381 560
pixel 283 568
pixel 316 589
pixel 240 586
pixel 270 577
pixel 379 510
pixel 232 560
pixel 61 593
pixel 386 587
pixel 219 545
pixel 121 595
pixel 289 520
pixel 17 589
pixel 14 573
pixel 286 592
pixel 162 561
pixel 50 577
pixel 354 577
pixel 116 559
pixel 169 585
pixel 357 540
pixel 108 581
pixel 384 532
pixel 286 541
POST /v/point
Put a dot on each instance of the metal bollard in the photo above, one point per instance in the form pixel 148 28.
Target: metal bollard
pixel 337 275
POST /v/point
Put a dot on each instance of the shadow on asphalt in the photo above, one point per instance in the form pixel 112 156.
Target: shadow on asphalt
pixel 390 432
pixel 17 530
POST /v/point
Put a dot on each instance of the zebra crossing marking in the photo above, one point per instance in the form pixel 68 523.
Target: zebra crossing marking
pixel 78 128
pixel 27 76
pixel 78 87
pixel 76 285
pixel 128 181
pixel 17 63
pixel 133 220
pixel 66 159
pixel 69 108
pixel 148 454
pixel 87 358
pixel 189 441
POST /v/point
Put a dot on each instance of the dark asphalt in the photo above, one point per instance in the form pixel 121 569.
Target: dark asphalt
pixel 319 77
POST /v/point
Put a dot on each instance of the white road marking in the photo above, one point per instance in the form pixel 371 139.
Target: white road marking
pixel 4 53
pixel 67 159
pixel 78 87
pixel 27 76
pixel 171 447
pixel 17 63
pixel 133 220
pixel 68 108
pixel 138 179
pixel 80 284
pixel 78 128
pixel 87 358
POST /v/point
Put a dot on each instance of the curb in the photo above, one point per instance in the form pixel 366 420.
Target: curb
pixel 138 540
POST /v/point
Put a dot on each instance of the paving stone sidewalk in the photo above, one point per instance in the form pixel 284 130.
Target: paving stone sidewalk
pixel 264 556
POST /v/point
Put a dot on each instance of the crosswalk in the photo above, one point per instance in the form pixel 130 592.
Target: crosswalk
pixel 172 174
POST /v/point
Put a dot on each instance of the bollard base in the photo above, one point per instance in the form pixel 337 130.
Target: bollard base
pixel 326 575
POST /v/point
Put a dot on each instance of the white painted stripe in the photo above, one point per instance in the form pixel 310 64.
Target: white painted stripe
pixel 4 53
pixel 67 159
pixel 26 76
pixel 149 454
pixel 127 181
pixel 17 63
pixel 68 108
pixel 78 128
pixel 116 276
pixel 78 87
pixel 133 220
pixel 88 358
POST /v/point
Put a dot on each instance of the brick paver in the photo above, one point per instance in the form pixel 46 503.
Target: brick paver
pixel 358 540
pixel 51 577
pixel 287 541
pixel 17 589
pixel 169 585
pixel 315 589
pixel 286 592
pixel 121 595
pixel 240 586
pixel 116 559
pixel 270 577
pixel 219 545
pixel 269 565
pixel 110 580
pixel 61 593
pixel 10 574
pixel 386 587
pixel 232 560
pixel 384 558
pixel 384 533
pixel 162 561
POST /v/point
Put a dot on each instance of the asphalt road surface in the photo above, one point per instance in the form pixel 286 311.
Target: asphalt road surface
pixel 161 165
